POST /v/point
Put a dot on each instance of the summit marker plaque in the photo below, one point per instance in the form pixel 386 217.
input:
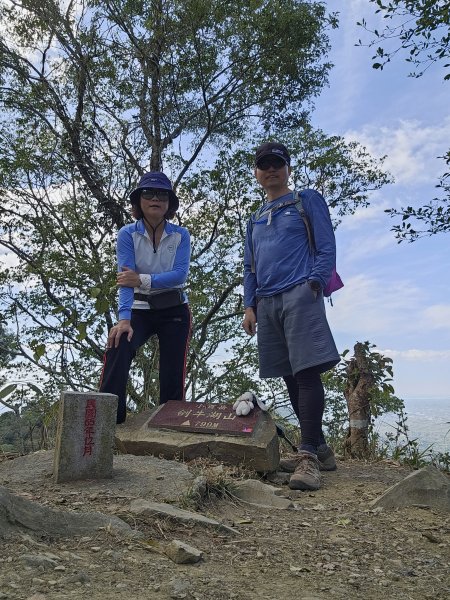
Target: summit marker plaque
pixel 198 417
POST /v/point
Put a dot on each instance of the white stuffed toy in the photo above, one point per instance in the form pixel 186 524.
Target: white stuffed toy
pixel 245 403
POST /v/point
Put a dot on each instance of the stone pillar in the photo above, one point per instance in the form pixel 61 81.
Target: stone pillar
pixel 85 436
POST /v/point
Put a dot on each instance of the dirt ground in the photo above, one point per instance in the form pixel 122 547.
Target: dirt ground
pixel 331 545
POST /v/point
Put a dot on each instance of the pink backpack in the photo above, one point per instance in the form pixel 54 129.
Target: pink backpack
pixel 335 283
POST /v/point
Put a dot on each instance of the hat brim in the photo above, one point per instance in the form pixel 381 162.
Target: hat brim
pixel 272 154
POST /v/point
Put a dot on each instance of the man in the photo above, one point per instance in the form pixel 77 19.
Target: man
pixel 283 285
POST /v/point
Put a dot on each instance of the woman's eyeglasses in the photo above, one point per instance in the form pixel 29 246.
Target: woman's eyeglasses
pixel 149 194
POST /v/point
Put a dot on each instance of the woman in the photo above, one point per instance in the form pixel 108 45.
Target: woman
pixel 153 262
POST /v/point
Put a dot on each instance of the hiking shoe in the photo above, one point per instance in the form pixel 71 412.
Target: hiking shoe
pixel 306 475
pixel 325 455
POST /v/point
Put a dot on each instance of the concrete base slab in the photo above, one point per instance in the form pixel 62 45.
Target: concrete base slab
pixel 259 451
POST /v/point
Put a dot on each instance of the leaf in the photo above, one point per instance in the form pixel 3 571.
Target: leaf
pixel 343 522
pixel 34 387
pixel 101 305
pixel 82 334
pixel 8 390
pixel 39 351
pixel 94 292
pixel 57 310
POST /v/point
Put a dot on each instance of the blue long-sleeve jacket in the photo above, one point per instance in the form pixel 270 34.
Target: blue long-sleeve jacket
pixel 166 268
pixel 278 247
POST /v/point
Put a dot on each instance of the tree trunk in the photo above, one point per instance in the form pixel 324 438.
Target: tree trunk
pixel 357 394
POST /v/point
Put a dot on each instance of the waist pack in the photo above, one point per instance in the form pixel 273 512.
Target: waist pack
pixel 160 299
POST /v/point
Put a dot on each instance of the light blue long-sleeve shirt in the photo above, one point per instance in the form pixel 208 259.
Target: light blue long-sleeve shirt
pixel 166 268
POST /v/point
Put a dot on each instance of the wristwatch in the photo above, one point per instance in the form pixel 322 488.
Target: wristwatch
pixel 314 285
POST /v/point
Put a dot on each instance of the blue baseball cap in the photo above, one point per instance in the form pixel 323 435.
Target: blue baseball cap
pixel 157 181
pixel 272 149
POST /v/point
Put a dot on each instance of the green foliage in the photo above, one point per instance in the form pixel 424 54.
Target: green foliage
pixel 7 346
pixel 419 27
pixel 23 424
pixel 426 220
pixel 96 93
pixel 382 398
pixel 422 29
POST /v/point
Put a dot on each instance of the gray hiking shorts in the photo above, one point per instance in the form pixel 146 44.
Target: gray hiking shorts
pixel 293 333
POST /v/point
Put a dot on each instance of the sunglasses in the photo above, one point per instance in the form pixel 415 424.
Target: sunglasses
pixel 270 161
pixel 149 194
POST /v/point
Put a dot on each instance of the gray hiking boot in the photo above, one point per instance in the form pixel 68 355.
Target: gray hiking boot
pixel 325 454
pixel 306 475
pixel 327 459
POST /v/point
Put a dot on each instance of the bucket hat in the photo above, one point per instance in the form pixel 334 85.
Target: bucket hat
pixel 155 180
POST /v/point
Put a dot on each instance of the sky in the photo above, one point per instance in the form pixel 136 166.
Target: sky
pixel 397 296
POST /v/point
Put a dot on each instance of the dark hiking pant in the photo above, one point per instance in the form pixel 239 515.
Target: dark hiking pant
pixel 172 326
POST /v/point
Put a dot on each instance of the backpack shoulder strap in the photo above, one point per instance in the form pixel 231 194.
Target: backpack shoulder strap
pixel 253 216
pixel 260 213
pixel 305 218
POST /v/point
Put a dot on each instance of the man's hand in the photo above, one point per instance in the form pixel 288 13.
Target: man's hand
pixel 116 332
pixel 249 322
pixel 128 278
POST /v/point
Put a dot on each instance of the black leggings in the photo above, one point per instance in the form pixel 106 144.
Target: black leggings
pixel 173 328
pixel 307 397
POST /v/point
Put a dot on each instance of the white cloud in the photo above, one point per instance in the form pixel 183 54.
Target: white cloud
pixel 415 355
pixel 367 309
pixel 9 259
pixel 411 146
pixel 363 243
pixel 438 316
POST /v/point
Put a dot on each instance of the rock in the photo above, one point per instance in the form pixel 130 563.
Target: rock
pixel 17 513
pixel 181 553
pixel 151 509
pixel 427 486
pixel 80 577
pixel 199 487
pixel 279 478
pixel 38 560
pixel 260 494
pixel 260 451
pixel 140 476
pixel 179 589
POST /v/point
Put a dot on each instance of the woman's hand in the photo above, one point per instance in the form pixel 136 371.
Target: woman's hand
pixel 128 278
pixel 116 332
